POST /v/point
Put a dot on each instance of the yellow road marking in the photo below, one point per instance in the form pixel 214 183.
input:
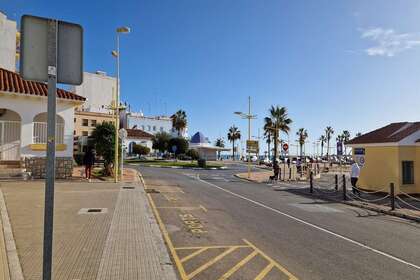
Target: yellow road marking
pixel 211 262
pixel 165 233
pixel 238 266
pixel 193 254
pixel 169 198
pixel 211 247
pixel 204 208
pixel 265 271
pixel 276 264
pixel 181 207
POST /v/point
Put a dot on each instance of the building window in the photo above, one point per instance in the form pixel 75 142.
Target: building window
pixel 85 133
pixel 148 128
pixel 93 123
pixel 161 129
pixel 408 172
pixel 154 128
pixel 85 122
pixel 40 129
pixel 142 127
pixel 74 120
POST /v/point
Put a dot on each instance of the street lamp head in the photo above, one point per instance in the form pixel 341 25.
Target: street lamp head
pixel 123 29
pixel 238 113
pixel 114 53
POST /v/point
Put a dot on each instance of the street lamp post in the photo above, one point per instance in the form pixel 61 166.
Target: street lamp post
pixel 116 54
pixel 248 116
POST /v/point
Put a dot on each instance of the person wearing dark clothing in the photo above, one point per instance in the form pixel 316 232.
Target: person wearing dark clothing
pixel 276 170
pixel 88 161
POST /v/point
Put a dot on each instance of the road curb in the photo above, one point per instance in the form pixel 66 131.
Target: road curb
pixel 190 168
pixel 15 268
pixel 165 255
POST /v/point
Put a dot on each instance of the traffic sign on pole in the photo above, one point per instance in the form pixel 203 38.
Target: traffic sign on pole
pixel 51 51
pixel 285 147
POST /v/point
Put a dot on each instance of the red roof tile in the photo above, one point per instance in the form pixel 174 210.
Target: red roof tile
pixel 138 133
pixel 13 82
pixel 393 132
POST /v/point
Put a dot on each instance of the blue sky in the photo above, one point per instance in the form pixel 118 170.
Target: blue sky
pixel 350 64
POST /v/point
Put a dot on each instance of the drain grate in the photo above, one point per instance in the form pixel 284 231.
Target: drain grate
pixel 152 191
pixel 93 211
pixel 128 188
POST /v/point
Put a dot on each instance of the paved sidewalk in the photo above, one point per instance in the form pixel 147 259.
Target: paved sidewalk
pixel 122 241
pixel 4 264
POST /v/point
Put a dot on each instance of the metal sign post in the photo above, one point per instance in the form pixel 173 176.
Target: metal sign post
pixel 123 135
pixel 52 52
pixel 50 172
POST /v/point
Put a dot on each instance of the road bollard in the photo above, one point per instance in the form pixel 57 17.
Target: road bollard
pixel 344 188
pixel 336 182
pixel 290 173
pixel 311 182
pixel 392 194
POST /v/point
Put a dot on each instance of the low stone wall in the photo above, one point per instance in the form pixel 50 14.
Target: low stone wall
pixel 37 167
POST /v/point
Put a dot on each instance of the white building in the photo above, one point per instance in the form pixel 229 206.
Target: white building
pixel 98 89
pixel 153 125
pixel 23 121
pixel 202 145
pixel 137 136
pixel 8 34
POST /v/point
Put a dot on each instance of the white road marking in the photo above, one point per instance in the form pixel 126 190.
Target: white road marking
pixel 315 226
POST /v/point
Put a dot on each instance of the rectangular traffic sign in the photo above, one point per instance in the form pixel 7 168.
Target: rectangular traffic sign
pixel 33 61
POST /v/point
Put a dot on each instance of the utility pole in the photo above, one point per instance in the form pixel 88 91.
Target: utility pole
pixel 248 116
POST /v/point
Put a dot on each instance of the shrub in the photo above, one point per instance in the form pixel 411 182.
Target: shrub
pixel 160 141
pixel 103 138
pixel 140 149
pixel 193 154
pixel 202 163
pixel 180 143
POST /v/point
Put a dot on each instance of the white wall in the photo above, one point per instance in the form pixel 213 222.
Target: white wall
pixel 7 43
pixel 98 89
pixel 28 107
pixel 144 142
pixel 144 123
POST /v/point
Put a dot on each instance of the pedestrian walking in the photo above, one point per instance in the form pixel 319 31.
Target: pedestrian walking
pixel 354 177
pixel 88 161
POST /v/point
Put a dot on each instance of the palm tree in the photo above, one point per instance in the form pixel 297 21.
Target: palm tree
pixel 280 121
pixel 329 131
pixel 322 139
pixel 233 134
pixel 303 134
pixel 179 121
pixel 268 132
pixel 346 138
pixel 219 143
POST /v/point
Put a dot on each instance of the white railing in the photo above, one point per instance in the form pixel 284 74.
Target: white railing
pixel 40 133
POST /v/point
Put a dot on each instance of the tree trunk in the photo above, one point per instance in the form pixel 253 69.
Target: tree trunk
pixel 233 150
pixel 275 146
pixel 269 149
pixel 322 150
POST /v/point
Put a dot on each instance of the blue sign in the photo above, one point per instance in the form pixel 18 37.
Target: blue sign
pixel 339 148
pixel 359 151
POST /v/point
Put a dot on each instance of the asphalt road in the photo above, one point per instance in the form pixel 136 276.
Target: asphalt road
pixel 222 227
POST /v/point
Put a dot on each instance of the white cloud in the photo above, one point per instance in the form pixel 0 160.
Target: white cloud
pixel 388 42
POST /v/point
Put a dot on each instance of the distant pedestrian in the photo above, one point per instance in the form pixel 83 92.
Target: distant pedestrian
pixel 88 161
pixel 354 177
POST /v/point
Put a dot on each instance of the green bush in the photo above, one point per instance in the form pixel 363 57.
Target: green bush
pixel 140 150
pixel 202 163
pixel 103 137
pixel 180 143
pixel 193 154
